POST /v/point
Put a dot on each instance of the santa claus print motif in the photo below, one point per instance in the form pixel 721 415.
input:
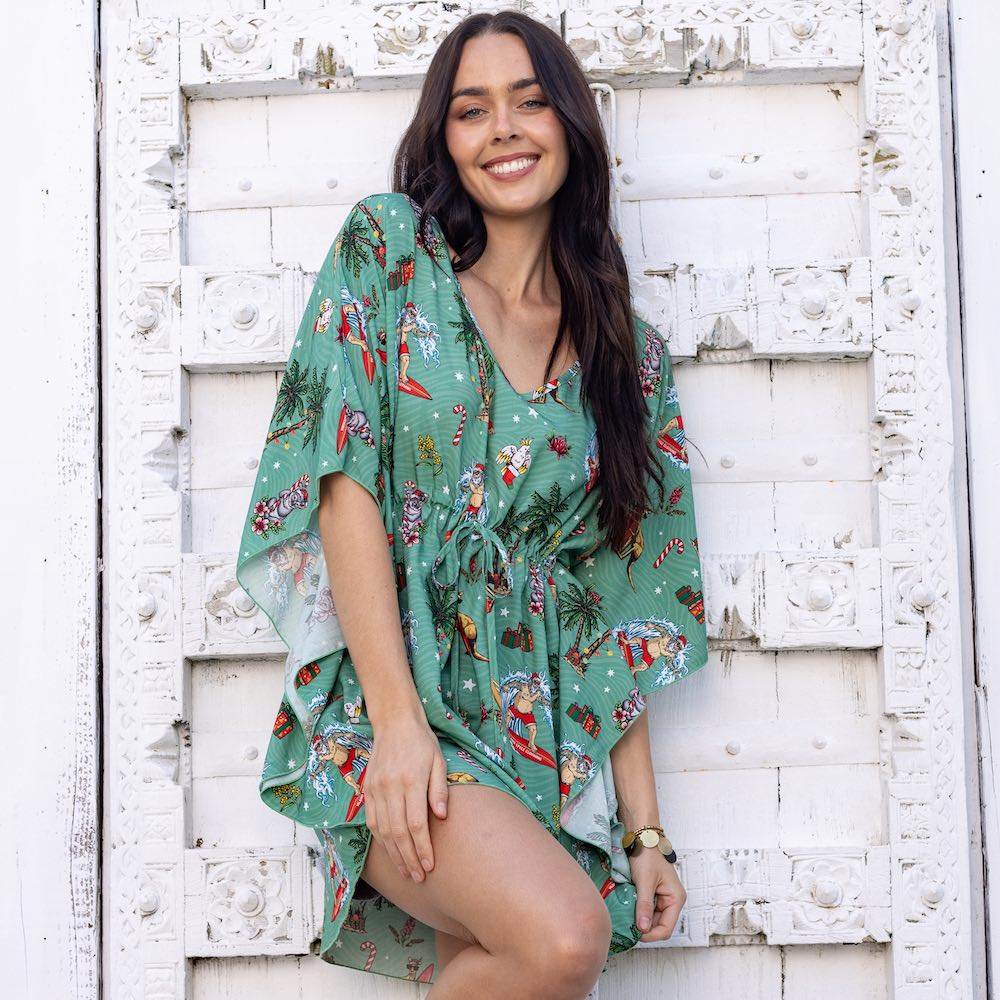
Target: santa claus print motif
pixel 646 640
pixel 348 751
pixel 473 499
pixel 574 765
pixel 289 564
pixel 519 694
pixel 515 460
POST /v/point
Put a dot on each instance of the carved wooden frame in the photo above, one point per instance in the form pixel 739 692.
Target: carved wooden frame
pixel 166 604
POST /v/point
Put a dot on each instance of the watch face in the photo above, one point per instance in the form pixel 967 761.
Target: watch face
pixel 649 838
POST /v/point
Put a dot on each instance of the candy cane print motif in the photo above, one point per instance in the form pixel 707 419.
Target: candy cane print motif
pixel 667 548
pixel 459 408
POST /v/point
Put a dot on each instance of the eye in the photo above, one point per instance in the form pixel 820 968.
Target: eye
pixel 469 113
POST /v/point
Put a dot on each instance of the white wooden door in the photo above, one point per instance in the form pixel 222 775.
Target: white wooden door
pixel 778 176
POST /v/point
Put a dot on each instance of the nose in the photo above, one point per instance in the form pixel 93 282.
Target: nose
pixel 504 124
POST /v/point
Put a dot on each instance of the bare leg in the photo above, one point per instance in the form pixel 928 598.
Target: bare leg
pixel 446 947
pixel 533 921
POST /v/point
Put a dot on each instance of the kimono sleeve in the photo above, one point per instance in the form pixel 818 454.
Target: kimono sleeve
pixel 333 412
pixel 651 586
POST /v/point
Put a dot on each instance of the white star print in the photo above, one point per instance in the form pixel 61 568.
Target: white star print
pixel 611 673
pixel 277 465
pixel 406 427
pixel 658 590
pixel 538 798
pixel 292 763
pixel 298 343
pixel 435 414
pixel 459 376
pixel 434 284
pixel 468 684
pixel 533 411
pixel 694 572
pixel 445 490
pixel 576 687
pixel 263 479
pixel 325 463
pixel 516 418
pixel 589 561
pixel 501 504
pixel 606 690
pixel 572 477
pixel 392 211
pixel 504 612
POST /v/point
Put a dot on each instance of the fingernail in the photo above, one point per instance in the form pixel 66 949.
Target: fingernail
pixel 441 807
pixel 644 923
pixel 403 871
pixel 426 862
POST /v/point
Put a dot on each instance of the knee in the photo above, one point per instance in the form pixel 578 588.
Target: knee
pixel 569 958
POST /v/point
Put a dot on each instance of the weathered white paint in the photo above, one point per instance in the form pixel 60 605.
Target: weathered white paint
pixel 789 237
pixel 976 172
pixel 49 888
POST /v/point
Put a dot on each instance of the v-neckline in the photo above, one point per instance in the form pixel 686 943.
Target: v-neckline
pixel 530 394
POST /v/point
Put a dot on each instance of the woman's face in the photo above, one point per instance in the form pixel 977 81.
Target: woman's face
pixel 496 124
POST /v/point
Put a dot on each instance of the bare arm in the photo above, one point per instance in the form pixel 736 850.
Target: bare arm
pixel 632 767
pixel 658 889
pixel 363 585
pixel 406 768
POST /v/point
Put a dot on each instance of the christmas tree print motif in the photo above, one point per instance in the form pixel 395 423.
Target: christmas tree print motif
pixel 581 608
pixel 301 394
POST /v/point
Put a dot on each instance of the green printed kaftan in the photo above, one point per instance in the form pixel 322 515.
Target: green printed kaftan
pixel 532 645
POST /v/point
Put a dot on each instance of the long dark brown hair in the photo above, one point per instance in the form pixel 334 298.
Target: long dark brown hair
pixel 587 260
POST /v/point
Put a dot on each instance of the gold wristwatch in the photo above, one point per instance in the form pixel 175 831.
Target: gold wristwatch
pixel 648 836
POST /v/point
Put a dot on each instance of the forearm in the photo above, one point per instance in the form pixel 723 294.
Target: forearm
pixel 632 767
pixel 363 585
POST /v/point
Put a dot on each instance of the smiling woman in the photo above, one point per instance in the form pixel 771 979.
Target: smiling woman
pixel 463 720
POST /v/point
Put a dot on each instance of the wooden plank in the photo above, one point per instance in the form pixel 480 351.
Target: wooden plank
pixel 51 881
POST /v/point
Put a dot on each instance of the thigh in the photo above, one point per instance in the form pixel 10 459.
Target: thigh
pixel 500 879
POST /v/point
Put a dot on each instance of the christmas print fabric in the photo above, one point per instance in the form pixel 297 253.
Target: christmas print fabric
pixel 533 646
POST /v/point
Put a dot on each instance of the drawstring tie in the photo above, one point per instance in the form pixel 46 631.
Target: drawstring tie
pixel 469 538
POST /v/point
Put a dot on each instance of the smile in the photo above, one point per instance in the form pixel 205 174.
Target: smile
pixel 512 168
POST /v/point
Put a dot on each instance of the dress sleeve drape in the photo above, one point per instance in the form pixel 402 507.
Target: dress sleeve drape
pixel 333 413
pixel 651 586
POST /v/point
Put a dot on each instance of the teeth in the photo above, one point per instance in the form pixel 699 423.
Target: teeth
pixel 512 165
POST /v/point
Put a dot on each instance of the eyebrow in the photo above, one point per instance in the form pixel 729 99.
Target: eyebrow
pixel 528 81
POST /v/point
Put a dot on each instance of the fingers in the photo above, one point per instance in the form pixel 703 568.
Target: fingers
pixel 407 821
pixel 667 912
pixel 437 793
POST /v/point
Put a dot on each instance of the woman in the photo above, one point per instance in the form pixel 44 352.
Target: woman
pixel 542 585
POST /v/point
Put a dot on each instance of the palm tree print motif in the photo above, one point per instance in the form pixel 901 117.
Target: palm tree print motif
pixel 580 608
pixel 301 394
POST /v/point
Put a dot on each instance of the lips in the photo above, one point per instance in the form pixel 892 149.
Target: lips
pixel 511 165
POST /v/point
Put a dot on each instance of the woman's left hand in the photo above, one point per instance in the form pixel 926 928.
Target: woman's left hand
pixel 655 878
